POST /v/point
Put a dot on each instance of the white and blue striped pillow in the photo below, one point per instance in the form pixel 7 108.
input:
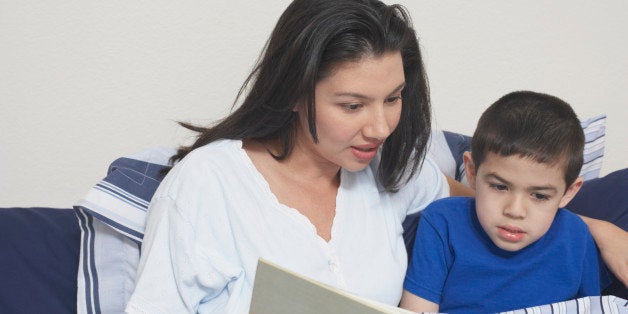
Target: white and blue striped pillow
pixel 594 133
pixel 111 218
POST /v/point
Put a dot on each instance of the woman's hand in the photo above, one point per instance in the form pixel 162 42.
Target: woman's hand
pixel 613 244
pixel 458 189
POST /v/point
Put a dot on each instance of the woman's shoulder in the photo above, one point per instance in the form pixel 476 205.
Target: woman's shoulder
pixel 427 182
pixel 426 185
pixel 218 154
pixel 203 166
pixel 427 172
pixel 214 150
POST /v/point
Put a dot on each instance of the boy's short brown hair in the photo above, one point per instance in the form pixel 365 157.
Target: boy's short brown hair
pixel 534 125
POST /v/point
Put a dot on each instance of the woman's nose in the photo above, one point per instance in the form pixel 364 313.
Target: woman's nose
pixel 377 127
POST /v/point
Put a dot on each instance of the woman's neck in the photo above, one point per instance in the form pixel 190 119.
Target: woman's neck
pixel 301 165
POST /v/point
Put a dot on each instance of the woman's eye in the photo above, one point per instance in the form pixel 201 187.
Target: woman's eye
pixel 352 107
pixel 498 187
pixel 393 99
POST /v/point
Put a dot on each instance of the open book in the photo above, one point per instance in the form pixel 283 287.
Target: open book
pixel 277 290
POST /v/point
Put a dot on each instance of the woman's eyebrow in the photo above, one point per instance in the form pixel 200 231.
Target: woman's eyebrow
pixel 399 88
pixel 365 97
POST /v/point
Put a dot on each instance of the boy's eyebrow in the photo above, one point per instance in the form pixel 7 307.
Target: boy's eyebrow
pixel 543 188
pixel 532 188
pixel 361 96
pixel 493 175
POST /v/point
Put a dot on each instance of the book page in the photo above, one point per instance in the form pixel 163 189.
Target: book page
pixel 277 290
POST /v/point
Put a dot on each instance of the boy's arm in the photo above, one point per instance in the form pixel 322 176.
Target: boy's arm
pixel 415 303
pixel 594 278
pixel 430 263
pixel 613 244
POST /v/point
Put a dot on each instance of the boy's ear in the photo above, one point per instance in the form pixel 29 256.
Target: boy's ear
pixel 571 191
pixel 469 168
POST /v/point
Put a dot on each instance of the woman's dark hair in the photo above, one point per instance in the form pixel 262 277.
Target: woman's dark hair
pixel 532 125
pixel 309 40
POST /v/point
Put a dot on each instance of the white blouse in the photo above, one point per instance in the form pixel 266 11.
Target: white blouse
pixel 214 215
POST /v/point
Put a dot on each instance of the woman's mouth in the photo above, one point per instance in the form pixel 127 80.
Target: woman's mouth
pixel 364 152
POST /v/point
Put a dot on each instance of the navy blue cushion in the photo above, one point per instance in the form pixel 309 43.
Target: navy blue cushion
pixel 39 261
pixel 458 144
pixel 604 198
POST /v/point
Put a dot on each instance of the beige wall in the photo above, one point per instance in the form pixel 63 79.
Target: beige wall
pixel 85 82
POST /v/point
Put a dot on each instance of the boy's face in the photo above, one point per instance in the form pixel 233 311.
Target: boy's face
pixel 517 198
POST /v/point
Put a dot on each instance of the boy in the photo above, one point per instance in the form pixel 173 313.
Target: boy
pixel 510 247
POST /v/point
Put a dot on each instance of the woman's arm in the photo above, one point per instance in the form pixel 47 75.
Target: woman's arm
pixel 613 244
pixel 458 189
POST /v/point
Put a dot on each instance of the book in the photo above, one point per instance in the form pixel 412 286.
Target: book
pixel 277 290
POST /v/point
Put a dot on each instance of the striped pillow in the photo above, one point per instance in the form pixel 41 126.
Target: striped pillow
pixel 111 218
pixel 594 132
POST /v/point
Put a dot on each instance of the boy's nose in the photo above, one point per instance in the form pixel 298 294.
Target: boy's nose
pixel 515 208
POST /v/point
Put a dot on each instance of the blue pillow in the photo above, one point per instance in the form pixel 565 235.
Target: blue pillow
pixel 458 144
pixel 40 252
pixel 604 198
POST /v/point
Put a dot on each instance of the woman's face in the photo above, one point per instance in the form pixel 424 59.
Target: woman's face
pixel 357 107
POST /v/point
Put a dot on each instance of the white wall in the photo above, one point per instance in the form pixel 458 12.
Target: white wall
pixel 85 82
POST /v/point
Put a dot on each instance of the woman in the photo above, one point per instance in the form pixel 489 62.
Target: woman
pixel 315 171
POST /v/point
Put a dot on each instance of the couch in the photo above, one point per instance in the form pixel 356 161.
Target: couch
pixel 41 247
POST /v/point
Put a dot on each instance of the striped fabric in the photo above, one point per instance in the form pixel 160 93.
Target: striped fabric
pixel 111 217
pixel 594 132
pixel 586 305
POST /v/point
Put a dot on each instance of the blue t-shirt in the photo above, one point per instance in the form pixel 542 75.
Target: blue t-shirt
pixel 456 265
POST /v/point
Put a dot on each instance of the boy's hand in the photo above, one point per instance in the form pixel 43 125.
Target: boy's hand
pixel 412 302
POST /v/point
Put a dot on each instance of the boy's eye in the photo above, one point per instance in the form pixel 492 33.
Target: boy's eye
pixel 540 197
pixel 498 187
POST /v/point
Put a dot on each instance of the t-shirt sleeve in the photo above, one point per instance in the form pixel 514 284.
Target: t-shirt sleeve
pixel 593 276
pixel 431 258
pixel 427 186
pixel 178 270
